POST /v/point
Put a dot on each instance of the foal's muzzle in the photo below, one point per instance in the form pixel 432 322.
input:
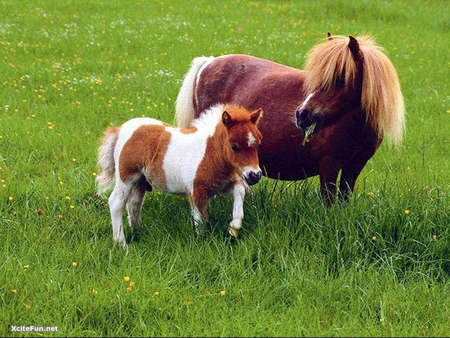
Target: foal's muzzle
pixel 253 177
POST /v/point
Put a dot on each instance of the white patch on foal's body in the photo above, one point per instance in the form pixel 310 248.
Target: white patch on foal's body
pixel 186 151
pixel 251 139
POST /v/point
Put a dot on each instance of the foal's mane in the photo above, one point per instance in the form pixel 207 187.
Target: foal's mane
pixel 381 98
pixel 208 119
pixel 213 115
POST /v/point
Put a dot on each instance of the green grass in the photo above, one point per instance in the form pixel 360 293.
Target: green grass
pixel 71 68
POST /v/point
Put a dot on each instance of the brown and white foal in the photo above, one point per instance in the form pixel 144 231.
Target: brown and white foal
pixel 218 153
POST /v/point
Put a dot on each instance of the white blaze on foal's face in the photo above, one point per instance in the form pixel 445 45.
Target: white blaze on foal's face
pixel 251 139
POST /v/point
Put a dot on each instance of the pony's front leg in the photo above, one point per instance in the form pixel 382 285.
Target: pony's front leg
pixel 199 209
pixel 238 192
pixel 328 171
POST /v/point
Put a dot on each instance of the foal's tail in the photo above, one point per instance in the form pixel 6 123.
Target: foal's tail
pixel 185 111
pixel 105 179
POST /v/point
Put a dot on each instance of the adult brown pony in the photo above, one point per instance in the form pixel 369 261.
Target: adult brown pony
pixel 349 92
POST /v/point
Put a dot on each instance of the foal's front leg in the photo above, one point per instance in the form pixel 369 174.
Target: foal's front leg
pixel 238 192
pixel 199 208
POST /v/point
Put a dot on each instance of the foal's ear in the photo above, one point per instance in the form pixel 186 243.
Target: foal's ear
pixel 329 37
pixel 354 47
pixel 256 115
pixel 227 120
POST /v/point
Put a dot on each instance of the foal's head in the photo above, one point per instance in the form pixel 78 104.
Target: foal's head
pixel 348 75
pixel 243 139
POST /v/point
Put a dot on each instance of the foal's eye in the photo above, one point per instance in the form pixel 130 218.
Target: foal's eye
pixel 235 147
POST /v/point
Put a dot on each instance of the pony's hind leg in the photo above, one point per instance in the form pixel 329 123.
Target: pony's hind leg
pixel 135 201
pixel 117 201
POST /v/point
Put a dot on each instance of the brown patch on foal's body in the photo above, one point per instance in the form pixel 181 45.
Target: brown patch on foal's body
pixel 187 130
pixel 144 153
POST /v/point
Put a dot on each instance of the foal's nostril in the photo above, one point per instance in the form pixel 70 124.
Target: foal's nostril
pixel 253 177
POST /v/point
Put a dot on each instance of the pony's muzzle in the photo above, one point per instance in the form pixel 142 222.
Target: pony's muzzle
pixel 253 177
pixel 303 118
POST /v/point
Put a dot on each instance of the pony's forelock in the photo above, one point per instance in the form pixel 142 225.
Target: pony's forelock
pixel 382 98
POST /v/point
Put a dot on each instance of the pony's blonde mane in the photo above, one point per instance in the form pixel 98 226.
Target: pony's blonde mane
pixel 382 98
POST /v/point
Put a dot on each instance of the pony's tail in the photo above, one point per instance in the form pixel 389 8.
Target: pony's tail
pixel 184 107
pixel 105 179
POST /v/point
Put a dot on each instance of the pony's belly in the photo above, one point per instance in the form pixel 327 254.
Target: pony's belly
pixel 296 170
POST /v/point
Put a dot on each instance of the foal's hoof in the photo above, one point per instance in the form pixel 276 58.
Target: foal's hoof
pixel 233 232
pixel 122 243
pixel 231 235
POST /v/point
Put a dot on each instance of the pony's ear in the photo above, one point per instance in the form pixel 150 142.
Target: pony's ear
pixel 256 115
pixel 227 120
pixel 329 37
pixel 354 47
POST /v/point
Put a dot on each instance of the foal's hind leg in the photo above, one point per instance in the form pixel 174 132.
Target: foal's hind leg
pixel 135 201
pixel 117 201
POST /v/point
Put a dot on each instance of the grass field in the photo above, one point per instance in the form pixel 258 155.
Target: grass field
pixel 379 265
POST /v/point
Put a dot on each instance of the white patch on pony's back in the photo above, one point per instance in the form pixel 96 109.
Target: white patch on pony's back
pixel 251 139
pixel 186 151
pixel 184 104
pixel 126 131
pixel 207 61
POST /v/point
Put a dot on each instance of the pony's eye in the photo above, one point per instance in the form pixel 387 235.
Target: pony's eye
pixel 340 82
pixel 235 147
